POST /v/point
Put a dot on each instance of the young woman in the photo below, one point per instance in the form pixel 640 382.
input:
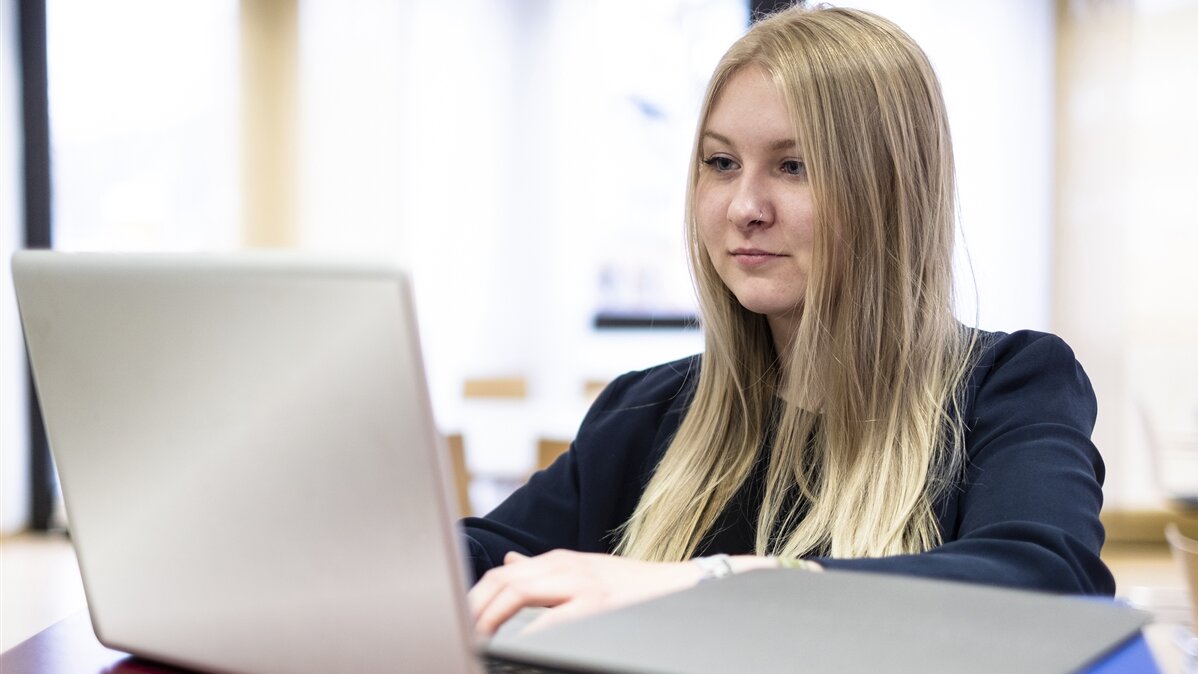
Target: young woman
pixel 839 416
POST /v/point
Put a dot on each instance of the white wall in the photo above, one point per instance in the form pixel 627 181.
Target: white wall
pixel 1160 232
pixel 14 433
pixel 996 64
pixel 1127 233
pixel 143 122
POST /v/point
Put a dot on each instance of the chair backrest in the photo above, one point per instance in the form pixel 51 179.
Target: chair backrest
pixel 484 391
pixel 461 474
pixel 548 450
pixel 591 388
pixel 495 387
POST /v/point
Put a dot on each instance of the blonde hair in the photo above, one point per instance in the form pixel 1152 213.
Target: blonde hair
pixel 877 350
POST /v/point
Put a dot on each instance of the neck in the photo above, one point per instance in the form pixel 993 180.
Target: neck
pixel 783 330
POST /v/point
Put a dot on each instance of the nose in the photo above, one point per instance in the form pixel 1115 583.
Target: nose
pixel 750 206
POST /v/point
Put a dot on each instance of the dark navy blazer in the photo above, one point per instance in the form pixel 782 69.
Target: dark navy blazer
pixel 1025 514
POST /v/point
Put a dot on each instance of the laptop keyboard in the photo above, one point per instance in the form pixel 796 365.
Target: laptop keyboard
pixel 496 666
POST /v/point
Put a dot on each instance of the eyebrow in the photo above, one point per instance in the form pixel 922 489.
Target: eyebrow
pixel 781 144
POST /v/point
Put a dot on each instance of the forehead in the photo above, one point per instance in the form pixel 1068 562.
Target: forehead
pixel 750 104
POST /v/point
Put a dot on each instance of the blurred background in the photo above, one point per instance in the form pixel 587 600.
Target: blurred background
pixel 526 161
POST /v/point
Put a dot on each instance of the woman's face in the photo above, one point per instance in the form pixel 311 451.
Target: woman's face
pixel 753 201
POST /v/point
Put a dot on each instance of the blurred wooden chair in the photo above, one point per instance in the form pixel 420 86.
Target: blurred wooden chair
pixel 548 450
pixel 495 387
pixel 479 388
pixel 591 389
pixel 461 474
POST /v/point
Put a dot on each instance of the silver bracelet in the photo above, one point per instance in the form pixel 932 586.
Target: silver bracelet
pixel 714 567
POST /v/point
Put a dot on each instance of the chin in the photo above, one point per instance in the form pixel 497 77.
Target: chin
pixel 769 307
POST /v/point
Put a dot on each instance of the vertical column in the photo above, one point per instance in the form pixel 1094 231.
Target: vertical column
pixel 38 221
pixel 269 121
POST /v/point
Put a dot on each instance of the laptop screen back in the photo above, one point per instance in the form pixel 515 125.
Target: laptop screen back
pixel 251 472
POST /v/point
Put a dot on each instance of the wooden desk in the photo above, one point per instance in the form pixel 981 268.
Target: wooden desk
pixel 71 646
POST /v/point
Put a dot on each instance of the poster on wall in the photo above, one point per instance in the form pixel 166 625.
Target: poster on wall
pixel 651 90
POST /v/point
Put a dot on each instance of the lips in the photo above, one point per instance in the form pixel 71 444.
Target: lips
pixel 754 256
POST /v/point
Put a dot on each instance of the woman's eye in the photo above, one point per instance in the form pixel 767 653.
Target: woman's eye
pixel 720 163
pixel 794 167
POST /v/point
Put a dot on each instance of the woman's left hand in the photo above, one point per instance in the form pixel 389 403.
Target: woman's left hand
pixel 574 584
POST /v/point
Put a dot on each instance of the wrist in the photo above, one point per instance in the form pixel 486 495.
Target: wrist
pixel 715 567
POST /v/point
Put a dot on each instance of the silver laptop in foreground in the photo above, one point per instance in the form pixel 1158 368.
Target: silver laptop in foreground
pixel 248 459
pixel 254 483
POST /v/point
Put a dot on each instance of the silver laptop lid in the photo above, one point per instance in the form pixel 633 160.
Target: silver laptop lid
pixel 248 459
pixel 840 621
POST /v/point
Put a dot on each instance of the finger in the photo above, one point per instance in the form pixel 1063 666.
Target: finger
pixel 483 592
pixel 543 591
pixel 505 605
pixel 521 572
pixel 494 580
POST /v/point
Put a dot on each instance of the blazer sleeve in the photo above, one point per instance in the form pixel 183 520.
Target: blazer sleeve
pixel 587 493
pixel 1027 510
pixel 539 516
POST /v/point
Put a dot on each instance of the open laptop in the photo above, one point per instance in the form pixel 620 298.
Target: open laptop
pixel 254 483
pixel 248 459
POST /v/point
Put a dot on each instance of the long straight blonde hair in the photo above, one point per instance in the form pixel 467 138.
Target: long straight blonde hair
pixel 878 359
